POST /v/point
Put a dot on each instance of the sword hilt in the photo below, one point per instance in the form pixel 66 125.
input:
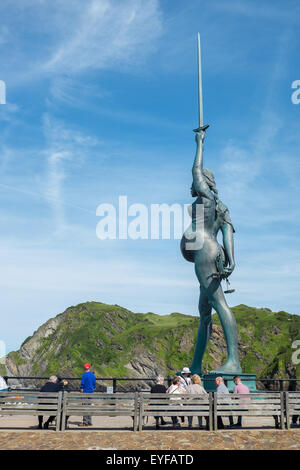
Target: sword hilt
pixel 202 128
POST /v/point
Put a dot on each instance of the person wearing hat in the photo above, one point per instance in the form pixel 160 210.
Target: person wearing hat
pixel 185 377
pixel 185 381
pixel 88 385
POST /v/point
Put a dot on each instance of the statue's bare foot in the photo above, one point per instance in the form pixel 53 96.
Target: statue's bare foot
pixel 230 367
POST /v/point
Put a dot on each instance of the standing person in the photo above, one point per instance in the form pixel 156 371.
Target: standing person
pixel 196 388
pixel 88 385
pixel 53 385
pixel 3 385
pixel 243 390
pixel 159 387
pixel 222 390
pixel 176 389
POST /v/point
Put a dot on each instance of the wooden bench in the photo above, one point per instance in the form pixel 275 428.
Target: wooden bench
pixel 164 404
pixel 292 406
pixel 254 404
pixel 31 403
pixel 100 404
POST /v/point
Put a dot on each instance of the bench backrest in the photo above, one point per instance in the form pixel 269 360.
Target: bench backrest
pixel 100 403
pixel 165 404
pixel 32 403
pixel 254 404
pixel 293 402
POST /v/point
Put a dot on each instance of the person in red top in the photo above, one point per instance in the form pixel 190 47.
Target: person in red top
pixel 242 389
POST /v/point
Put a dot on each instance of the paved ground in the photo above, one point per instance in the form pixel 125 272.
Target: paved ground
pixel 151 440
pixel 116 433
pixel 120 423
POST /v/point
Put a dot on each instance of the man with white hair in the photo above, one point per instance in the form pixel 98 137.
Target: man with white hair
pixel 53 385
pixel 222 390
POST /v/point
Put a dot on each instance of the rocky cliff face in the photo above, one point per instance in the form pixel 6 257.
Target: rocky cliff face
pixel 119 343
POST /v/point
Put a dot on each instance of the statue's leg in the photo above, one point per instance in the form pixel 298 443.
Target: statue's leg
pixel 213 289
pixel 216 295
pixel 204 332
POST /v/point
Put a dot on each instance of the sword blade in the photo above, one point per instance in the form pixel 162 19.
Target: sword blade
pixel 200 99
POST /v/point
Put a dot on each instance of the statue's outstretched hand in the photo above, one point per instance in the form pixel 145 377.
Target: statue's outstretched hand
pixel 200 136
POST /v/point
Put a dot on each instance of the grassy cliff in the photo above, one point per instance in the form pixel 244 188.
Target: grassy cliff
pixel 118 342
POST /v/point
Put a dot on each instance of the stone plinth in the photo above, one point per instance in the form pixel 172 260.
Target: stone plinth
pixel 210 385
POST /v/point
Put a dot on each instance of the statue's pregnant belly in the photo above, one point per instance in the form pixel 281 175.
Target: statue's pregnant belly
pixel 199 237
pixel 205 248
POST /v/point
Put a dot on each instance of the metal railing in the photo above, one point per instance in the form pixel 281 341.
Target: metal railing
pixel 279 384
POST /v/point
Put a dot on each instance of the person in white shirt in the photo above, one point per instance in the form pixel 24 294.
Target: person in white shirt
pixel 185 378
pixel 3 385
pixel 185 381
pixel 176 389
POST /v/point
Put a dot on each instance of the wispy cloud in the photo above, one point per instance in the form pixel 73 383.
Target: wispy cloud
pixel 72 37
pixel 8 112
pixel 107 33
pixel 63 145
pixel 5 157
pixel 67 90
pixel 241 166
pixel 4 35
pixel 258 10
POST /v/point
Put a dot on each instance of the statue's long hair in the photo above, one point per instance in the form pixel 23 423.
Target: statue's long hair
pixel 210 179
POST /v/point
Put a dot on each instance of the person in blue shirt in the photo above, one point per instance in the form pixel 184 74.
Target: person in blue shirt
pixel 88 385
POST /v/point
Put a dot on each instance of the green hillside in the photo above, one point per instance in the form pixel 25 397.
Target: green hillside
pixel 118 342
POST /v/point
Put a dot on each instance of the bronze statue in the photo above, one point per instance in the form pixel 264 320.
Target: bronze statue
pixel 213 262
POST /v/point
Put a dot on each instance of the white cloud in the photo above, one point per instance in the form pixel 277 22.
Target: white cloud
pixel 257 10
pixel 8 112
pixel 73 36
pixel 107 33
pixel 4 34
pixel 63 145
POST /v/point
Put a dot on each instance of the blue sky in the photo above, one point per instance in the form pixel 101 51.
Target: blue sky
pixel 101 102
